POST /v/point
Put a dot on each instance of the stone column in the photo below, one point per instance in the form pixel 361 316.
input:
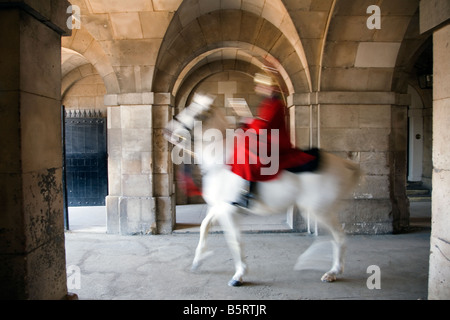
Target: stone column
pixel 435 17
pixel 366 128
pixel 303 132
pixel 163 176
pixel 140 192
pixel 439 276
pixel 32 254
pixel 398 145
pixel 130 205
pixel 303 121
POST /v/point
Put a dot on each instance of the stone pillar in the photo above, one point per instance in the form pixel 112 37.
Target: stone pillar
pixel 163 171
pixel 366 128
pixel 303 130
pixel 439 274
pixel 303 121
pixel 398 146
pixel 435 17
pixel 140 192
pixel 32 254
pixel 130 205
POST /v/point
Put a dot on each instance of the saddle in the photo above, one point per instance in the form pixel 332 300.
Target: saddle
pixel 249 191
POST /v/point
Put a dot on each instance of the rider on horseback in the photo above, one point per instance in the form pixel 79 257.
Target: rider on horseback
pixel 271 117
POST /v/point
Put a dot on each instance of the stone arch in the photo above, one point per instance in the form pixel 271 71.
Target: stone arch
pixel 353 51
pixel 205 71
pixel 74 67
pixel 221 29
pixel 82 45
pixel 203 42
pixel 233 55
pixel 82 87
pixel 72 64
pixel 413 46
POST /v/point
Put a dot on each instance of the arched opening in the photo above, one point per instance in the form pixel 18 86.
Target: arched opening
pixel 420 137
pixel 227 86
pixel 85 169
pixel 218 52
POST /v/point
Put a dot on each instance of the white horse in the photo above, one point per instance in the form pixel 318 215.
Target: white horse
pixel 316 193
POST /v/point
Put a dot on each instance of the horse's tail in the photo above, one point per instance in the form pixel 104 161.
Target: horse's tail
pixel 356 174
pixel 350 174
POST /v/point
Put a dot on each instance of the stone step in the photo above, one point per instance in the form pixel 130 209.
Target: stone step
pixel 417 192
pixel 419 199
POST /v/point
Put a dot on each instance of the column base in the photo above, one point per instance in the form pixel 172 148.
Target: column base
pixel 131 215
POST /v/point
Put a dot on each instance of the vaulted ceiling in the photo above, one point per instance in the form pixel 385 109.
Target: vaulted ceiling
pixel 157 45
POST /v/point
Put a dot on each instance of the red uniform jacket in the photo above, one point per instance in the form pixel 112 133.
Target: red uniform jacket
pixel 271 115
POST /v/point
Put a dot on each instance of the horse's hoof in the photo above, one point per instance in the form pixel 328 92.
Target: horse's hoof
pixel 195 267
pixel 327 277
pixel 235 283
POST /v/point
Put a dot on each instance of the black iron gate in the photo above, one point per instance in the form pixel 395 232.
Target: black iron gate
pixel 86 167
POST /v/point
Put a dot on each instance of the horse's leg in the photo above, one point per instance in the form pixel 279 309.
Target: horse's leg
pixel 233 237
pixel 339 248
pixel 330 220
pixel 201 247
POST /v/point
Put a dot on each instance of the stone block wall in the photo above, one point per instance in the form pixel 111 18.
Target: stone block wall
pixel 366 128
pixel 439 284
pixel 140 199
pixel 86 94
pixel 32 255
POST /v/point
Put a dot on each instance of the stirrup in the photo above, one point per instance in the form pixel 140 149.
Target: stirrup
pixel 243 201
pixel 245 196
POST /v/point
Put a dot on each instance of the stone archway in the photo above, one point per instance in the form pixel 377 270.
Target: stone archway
pixel 341 94
pixel 218 40
pixel 215 32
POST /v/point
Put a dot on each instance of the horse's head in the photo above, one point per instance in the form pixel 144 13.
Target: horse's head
pixel 180 128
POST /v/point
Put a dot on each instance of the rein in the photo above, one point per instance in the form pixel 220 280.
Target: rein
pixel 202 116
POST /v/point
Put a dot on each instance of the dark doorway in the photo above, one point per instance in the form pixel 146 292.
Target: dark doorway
pixel 85 159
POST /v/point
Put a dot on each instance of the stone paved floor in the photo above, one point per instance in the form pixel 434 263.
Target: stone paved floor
pixel 158 267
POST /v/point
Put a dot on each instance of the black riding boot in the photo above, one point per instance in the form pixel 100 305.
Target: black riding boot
pixel 247 193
